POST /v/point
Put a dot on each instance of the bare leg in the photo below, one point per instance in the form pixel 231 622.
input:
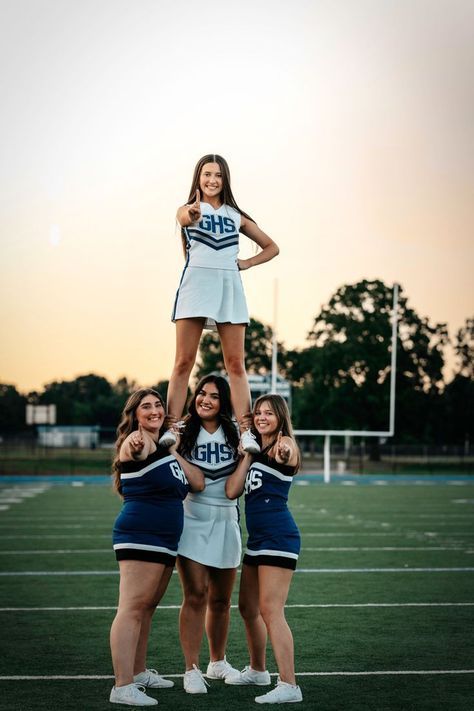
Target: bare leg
pixel 139 582
pixel 142 646
pixel 218 611
pixel 274 584
pixel 188 335
pixel 195 583
pixel 232 337
pixel 255 628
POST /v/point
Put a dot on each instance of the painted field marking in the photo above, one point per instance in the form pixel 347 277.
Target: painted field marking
pixel 332 549
pixel 330 571
pixel 94 677
pixel 89 608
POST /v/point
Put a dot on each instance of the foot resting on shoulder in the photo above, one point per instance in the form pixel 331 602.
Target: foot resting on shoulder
pixel 249 443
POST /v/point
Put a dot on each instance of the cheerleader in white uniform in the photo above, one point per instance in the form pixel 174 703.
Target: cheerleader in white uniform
pixel 272 549
pixel 210 293
pixel 210 546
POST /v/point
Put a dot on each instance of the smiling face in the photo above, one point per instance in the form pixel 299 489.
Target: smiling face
pixel 265 420
pixel 150 413
pixel 208 403
pixel 210 182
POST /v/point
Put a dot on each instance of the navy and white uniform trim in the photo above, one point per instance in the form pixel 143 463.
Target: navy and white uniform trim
pixel 274 538
pixel 211 286
pixel 150 523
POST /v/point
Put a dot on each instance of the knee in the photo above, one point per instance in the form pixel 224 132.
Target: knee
pixel 183 364
pixel 235 366
pixel 196 599
pixel 270 613
pixel 248 611
pixel 219 606
pixel 137 609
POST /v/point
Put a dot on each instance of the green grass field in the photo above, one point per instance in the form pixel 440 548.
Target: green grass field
pixel 381 607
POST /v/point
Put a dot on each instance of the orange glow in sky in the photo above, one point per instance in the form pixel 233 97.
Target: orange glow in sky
pixel 348 128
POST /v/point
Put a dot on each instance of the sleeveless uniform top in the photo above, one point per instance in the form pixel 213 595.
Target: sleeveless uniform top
pixel 274 538
pixel 217 460
pixel 150 523
pixel 213 243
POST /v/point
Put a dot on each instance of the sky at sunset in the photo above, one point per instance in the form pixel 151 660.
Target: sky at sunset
pixel 348 126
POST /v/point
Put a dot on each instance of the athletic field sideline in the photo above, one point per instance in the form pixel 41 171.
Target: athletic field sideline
pixel 381 605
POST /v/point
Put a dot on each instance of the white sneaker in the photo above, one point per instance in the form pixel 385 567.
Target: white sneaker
pixel 194 682
pixel 151 679
pixel 220 670
pixel 249 676
pixel 167 439
pixel 283 693
pixel 130 695
pixel 248 442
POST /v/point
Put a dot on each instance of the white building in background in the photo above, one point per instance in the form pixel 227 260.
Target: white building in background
pixel 81 436
pixel 262 385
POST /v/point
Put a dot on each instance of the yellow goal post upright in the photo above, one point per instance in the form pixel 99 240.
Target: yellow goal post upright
pixel 327 434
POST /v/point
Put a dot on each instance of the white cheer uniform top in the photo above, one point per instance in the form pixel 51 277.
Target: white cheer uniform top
pixel 213 242
pixel 217 460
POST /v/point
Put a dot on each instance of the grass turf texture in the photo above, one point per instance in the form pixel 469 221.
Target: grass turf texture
pixel 351 529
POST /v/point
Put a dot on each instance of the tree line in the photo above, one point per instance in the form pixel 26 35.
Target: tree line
pixel 340 379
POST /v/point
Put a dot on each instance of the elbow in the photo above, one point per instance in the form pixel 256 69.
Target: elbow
pixel 276 250
pixel 200 485
pixel 231 493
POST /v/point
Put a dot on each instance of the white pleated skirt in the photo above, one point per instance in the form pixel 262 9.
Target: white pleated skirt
pixel 211 535
pixel 214 294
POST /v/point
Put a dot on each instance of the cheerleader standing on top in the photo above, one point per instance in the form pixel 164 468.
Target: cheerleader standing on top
pixel 210 293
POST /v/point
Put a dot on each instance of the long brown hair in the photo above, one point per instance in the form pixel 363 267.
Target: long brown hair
pixel 193 421
pixel 225 195
pixel 128 423
pixel 280 408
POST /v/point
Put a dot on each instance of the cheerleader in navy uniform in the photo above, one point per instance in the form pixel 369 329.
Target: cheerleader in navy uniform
pixel 210 547
pixel 272 548
pixel 153 483
pixel 210 293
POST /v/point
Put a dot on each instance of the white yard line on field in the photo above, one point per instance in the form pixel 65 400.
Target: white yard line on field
pixel 96 677
pixel 40 573
pixel 89 608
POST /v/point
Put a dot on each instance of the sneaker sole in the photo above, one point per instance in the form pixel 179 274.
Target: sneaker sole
pixel 248 683
pixel 196 692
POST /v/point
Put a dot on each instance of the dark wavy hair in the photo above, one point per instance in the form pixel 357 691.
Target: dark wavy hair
pixel 128 423
pixel 226 194
pixel 193 421
pixel 280 408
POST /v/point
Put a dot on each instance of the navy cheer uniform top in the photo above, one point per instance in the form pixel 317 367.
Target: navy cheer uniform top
pixel 150 523
pixel 273 538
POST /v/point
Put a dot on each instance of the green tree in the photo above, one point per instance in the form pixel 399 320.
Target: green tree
pixel 83 401
pixel 458 423
pixel 12 409
pixel 258 350
pixel 342 378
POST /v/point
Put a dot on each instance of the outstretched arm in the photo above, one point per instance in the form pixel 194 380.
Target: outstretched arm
pixel 234 485
pixel 189 214
pixel 137 446
pixel 268 246
pixel 285 450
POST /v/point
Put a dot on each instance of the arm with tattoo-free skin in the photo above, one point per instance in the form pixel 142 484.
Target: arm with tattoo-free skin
pixel 235 483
